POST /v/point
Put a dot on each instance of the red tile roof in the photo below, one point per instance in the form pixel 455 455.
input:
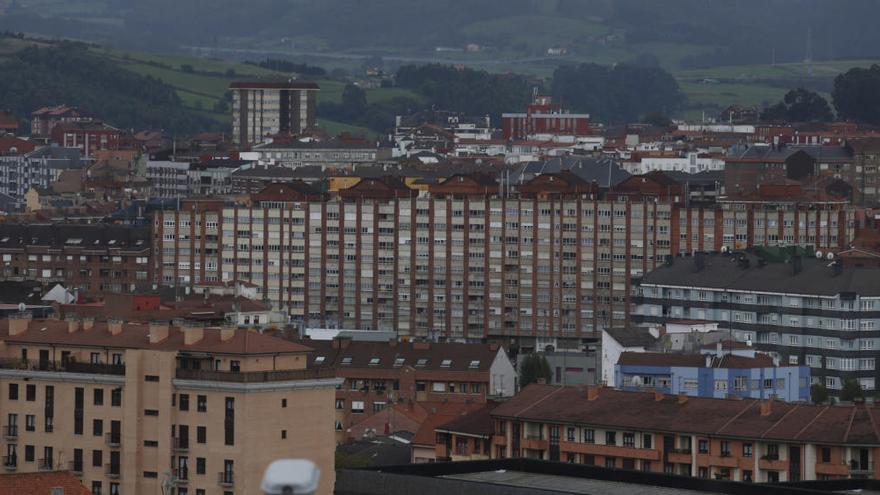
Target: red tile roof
pixel 828 425
pixel 41 483
pixel 440 413
pixel 479 422
pixel 136 336
pixel 694 360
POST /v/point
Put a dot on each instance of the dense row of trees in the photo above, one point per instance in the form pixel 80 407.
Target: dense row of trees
pixel 288 66
pixel 67 73
pixel 857 95
pixel 617 94
pixel 799 105
pixel 356 110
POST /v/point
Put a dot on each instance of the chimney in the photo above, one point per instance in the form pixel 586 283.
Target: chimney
pixel 88 323
pixel 192 333
pixel 593 392
pixel 158 331
pixel 226 333
pixel 658 396
pixel 765 407
pixel 682 397
pixel 72 323
pixel 114 326
pixel 19 322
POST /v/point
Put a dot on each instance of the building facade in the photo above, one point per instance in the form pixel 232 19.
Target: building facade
pixel 261 109
pixel 128 408
pixel 460 266
pixel 544 117
pixel 37 169
pixel 813 312
pixel 741 440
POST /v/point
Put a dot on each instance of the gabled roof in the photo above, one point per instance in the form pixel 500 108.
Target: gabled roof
pixel 477 423
pixel 347 354
pixel 646 411
pixel 41 483
pixel 440 413
pixel 386 187
pixel 295 190
pixel 631 336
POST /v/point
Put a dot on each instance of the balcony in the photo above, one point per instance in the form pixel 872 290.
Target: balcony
pixel 10 462
pixel 181 475
pixel 112 470
pixel 772 463
pixel 10 432
pixel 225 479
pixel 180 444
pixel 255 376
pixel 113 439
pixel 76 467
pixel 69 367
pixel 45 465
pixel 832 469
pixel 861 468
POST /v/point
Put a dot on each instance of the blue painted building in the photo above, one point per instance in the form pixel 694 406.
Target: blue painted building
pixel 716 375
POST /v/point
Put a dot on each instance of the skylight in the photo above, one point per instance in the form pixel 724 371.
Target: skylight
pixel 346 361
pixel 74 241
pixel 421 362
pixel 374 361
pixel 474 364
pixel 399 362
pixel 446 363
pixel 319 360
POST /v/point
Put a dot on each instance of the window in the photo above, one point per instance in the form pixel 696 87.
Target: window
pixel 202 403
pixel 96 487
pixel 703 446
pixel 30 393
pixel 438 387
pixel 116 397
pixel 184 402
pixel 589 436
pixel 200 465
pixel 446 363
pixel 629 440
pixel 114 488
pixel 283 434
pixel 747 450
pixel 357 406
pixel 28 453
pixel 570 434
pixel 151 412
pixel 98 396
pixel 235 366
pixel 725 448
pixel 151 378
pixel 647 440
pixel 375 361
pixel 610 438
pixel 201 434
pixel 474 364
pixel 283 403
pixel 97 458
pixel 340 404
pixel 98 427
pixel 13 391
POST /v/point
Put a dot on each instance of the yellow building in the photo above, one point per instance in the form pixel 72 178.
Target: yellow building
pixel 132 407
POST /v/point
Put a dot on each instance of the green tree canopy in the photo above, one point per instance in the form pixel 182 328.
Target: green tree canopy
pixel 851 390
pixel 819 393
pixel 799 105
pixel 857 95
pixel 533 368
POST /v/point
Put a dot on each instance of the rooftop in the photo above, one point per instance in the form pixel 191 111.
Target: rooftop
pixel 727 361
pixel 647 411
pixel 41 484
pixel 721 271
pixel 423 356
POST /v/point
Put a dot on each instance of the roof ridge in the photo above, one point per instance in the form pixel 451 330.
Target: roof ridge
pixel 852 418
pixel 810 423
pixel 731 420
pixel 542 399
pixel 774 425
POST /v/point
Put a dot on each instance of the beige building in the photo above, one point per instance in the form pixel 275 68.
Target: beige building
pixel 543 269
pixel 131 407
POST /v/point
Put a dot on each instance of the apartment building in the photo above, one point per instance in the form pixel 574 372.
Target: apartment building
pixel 727 439
pixel 88 137
pixel 718 374
pixel 266 108
pixel 462 262
pixel 44 120
pixel 333 153
pixel 130 408
pixel 813 312
pixel 40 168
pixel 94 258
pixel 379 374
pixel 866 154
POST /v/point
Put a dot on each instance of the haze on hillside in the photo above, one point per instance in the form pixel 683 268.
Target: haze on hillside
pixel 675 33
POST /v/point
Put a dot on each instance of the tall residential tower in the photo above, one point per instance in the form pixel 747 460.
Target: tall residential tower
pixel 264 108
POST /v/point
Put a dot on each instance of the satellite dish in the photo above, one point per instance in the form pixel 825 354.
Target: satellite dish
pixel 637 381
pixel 818 255
pixel 724 249
pixel 830 256
pixel 22 308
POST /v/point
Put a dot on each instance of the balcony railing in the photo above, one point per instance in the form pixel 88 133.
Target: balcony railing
pixel 112 470
pixel 225 479
pixel 114 439
pixel 681 451
pixel 255 376
pixel 45 464
pixel 770 457
pixel 10 462
pixel 10 431
pixel 861 467
pixel 70 367
pixel 180 444
pixel 181 474
pixel 76 467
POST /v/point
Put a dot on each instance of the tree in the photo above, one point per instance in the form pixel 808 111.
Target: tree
pixel 819 393
pixel 851 390
pixel 656 119
pixel 354 100
pixel 533 368
pixel 799 105
pixel 856 95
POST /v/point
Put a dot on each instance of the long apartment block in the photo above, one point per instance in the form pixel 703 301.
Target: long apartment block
pixel 461 263
pixel 134 408
pixel 727 439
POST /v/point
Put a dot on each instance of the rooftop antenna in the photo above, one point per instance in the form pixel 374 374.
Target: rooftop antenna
pixel 809 55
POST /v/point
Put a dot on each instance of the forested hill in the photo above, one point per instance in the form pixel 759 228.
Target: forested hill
pixel 67 73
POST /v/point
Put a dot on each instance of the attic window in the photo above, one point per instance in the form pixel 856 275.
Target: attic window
pixel 346 361
pixel 422 362
pixel 319 360
pixel 138 243
pixel 474 364
pixel 399 362
pixel 375 361
pixel 5 239
pixel 74 241
pixel 111 242
pixel 97 241
pixel 446 363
